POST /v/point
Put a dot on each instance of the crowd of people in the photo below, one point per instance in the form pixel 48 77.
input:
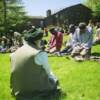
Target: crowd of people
pixel 10 42
pixel 30 71
pixel 78 38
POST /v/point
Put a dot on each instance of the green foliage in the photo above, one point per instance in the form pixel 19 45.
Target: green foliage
pixel 94 5
pixel 13 16
pixel 16 16
pixel 97 10
pixel 1 17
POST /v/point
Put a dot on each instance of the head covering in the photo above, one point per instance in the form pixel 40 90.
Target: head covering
pixel 71 28
pixel 34 36
pixel 16 34
pixel 53 31
pixel 82 25
pixel 3 37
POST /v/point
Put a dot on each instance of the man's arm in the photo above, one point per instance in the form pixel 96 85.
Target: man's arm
pixel 42 59
pixel 89 41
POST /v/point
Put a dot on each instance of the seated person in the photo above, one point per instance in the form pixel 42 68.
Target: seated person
pixel 91 25
pixel 82 41
pixel 97 37
pixel 55 42
pixel 3 44
pixel 68 48
pixel 30 72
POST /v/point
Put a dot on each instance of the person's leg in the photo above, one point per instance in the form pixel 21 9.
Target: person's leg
pixel 70 50
pixel 53 50
pixel 65 50
pixel 76 51
pixel 84 52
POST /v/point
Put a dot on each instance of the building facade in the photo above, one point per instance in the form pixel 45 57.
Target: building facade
pixel 70 15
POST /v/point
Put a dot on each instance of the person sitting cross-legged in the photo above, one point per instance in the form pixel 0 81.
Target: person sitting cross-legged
pixel 69 44
pixel 82 41
pixel 30 71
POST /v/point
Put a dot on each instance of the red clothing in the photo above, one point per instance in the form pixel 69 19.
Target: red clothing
pixel 56 40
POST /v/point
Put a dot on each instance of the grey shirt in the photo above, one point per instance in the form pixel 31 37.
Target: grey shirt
pixel 84 39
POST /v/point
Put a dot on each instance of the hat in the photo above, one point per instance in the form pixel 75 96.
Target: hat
pixel 82 25
pixel 3 37
pixel 53 31
pixel 34 36
pixel 71 28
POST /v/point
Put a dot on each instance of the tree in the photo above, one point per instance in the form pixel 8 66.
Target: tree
pixel 1 16
pixel 16 16
pixel 12 14
pixel 94 5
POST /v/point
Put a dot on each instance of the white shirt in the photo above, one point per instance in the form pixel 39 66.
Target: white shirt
pixel 70 40
pixel 84 39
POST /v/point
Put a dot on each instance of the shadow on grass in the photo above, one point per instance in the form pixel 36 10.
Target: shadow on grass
pixel 51 96
pixel 95 54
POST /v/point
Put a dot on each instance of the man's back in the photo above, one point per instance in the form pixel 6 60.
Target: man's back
pixel 26 75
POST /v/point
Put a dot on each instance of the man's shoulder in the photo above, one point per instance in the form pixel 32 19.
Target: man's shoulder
pixel 42 53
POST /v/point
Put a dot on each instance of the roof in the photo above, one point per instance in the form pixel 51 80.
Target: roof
pixel 72 7
pixel 36 17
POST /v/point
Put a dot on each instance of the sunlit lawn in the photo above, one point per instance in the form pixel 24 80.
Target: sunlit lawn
pixel 78 80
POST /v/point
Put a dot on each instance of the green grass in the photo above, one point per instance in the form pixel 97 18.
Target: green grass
pixel 78 80
pixel 4 77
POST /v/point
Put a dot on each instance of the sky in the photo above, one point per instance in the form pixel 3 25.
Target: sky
pixel 39 7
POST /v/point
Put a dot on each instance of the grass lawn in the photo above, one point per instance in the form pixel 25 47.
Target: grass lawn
pixel 78 80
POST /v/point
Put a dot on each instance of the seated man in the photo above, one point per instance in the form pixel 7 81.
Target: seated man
pixel 68 48
pixel 30 72
pixel 82 41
